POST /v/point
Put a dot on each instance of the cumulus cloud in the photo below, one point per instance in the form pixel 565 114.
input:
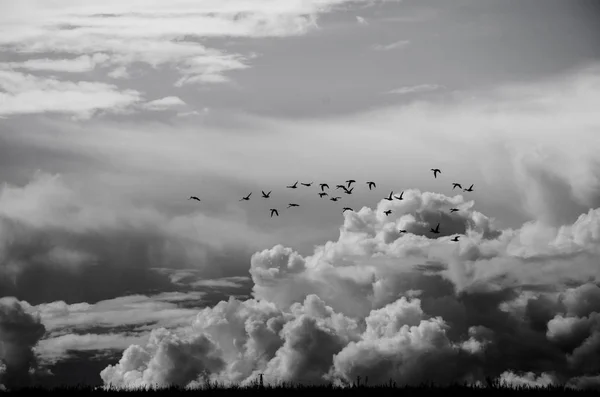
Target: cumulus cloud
pixel 410 307
pixel 20 330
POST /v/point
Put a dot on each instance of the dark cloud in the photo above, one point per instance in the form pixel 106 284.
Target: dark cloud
pixel 20 331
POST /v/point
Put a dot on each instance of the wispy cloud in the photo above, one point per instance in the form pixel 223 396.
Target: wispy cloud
pixel 81 64
pixel 391 46
pixel 361 20
pixel 119 34
pixel 26 94
pixel 414 89
pixel 165 103
pixel 84 326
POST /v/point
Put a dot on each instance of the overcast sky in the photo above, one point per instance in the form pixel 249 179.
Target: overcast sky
pixel 113 113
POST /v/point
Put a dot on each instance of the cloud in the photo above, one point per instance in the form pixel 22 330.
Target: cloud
pixel 164 103
pixel 410 307
pixel 81 64
pixel 118 35
pixel 93 327
pixel 361 20
pixel 20 330
pixel 52 229
pixel 415 89
pixel 392 46
pixel 26 94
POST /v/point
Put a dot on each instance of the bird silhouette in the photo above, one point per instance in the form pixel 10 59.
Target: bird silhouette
pixel 350 182
pixel 454 210
pixel 293 205
pixel 399 197
pixel 387 213
pixel 390 197
pixel 470 189
pixel 194 198
pixel 348 191
pixel 322 194
pixel 455 238
pixel 274 211
pixel 456 185
pixel 340 187
pixel 401 231
pixel 347 209
pixel 335 198
pixel 436 230
pixel 293 186
pixel 247 197
pixel 266 195
pixel 323 186
pixel 435 172
pixel 371 185
pixel 306 184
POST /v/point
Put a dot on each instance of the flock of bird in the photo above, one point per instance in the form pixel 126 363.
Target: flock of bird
pixel 347 189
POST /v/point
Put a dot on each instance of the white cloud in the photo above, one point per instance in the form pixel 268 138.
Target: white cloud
pixel 357 316
pixel 164 103
pixel 26 94
pixel 391 46
pixel 74 327
pixel 84 63
pixel 130 34
pixel 361 20
pixel 413 89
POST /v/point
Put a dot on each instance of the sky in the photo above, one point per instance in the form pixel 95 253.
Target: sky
pixel 113 113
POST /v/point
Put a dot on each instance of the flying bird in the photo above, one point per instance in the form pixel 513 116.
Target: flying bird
pixel 335 198
pixel 399 197
pixel 274 211
pixel 340 187
pixel 347 209
pixel 322 194
pixel 455 238
pixel 306 184
pixel 323 186
pixel 401 231
pixel 350 182
pixel 371 185
pixel 390 197
pixel 456 185
pixel 266 195
pixel 435 172
pixel 293 186
pixel 293 205
pixel 470 189
pixel 348 191
pixel 247 197
pixel 436 230
pixel 454 210
pixel 387 213
pixel 194 198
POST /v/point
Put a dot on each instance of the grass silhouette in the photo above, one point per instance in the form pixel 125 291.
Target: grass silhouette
pixel 493 387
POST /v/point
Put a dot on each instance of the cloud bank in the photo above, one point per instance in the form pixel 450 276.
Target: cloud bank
pixel 522 305
pixel 20 331
pixel 116 37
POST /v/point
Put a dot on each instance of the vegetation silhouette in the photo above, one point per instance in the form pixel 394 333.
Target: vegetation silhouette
pixel 257 387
